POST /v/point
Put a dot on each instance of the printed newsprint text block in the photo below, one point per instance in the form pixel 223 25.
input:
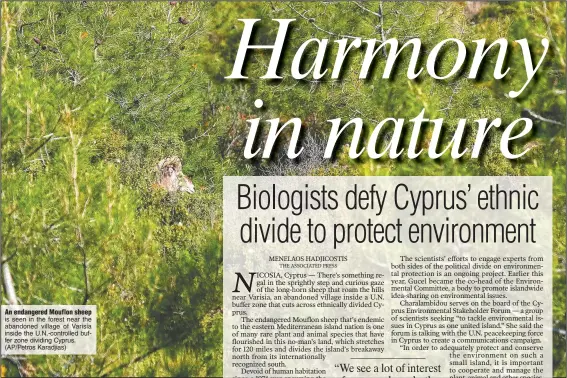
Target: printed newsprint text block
pixel 387 277
pixel 48 329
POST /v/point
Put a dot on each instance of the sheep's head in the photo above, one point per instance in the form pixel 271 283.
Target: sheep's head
pixel 171 178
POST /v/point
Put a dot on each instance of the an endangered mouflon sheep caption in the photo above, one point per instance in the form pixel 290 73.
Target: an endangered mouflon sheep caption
pixel 171 178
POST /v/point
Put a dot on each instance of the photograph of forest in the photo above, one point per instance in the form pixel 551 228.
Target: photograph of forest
pixel 118 125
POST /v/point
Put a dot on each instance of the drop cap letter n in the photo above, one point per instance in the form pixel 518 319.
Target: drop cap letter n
pixel 248 285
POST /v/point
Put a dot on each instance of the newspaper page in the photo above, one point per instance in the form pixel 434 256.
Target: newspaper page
pixel 283 188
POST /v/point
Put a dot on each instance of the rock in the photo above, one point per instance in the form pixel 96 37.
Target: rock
pixel 171 178
pixel 473 8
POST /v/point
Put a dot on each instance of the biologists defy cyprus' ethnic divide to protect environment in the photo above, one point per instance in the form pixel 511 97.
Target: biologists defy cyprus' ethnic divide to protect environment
pixel 413 201
pixel 371 50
